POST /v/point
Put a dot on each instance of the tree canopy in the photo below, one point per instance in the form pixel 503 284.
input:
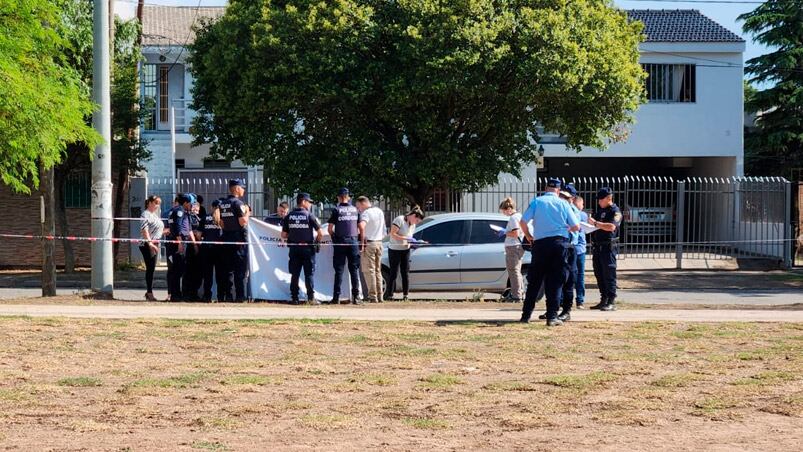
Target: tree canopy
pixel 776 144
pixel 42 100
pixel 399 98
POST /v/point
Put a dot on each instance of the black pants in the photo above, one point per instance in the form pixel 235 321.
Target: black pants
pixel 235 264
pixel 302 257
pixel 548 267
pixel 193 274
pixel 175 271
pixel 399 261
pixel 213 272
pixel 347 249
pixel 571 279
pixel 150 265
pixel 605 270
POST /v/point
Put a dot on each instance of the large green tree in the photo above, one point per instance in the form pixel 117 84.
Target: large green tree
pixel 401 97
pixel 42 100
pixel 775 145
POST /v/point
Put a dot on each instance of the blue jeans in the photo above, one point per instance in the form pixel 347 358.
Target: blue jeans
pixel 571 278
pixel 346 249
pixel 580 280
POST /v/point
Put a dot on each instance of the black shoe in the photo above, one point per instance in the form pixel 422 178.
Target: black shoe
pixel 564 316
pixel 313 302
pixel 542 316
pixel 580 306
pixel 294 302
pixel 356 301
pixel 334 300
pixel 554 322
pixel 600 304
pixel 608 307
pixel 525 318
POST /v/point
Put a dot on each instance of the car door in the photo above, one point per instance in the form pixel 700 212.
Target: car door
pixel 482 264
pixel 437 265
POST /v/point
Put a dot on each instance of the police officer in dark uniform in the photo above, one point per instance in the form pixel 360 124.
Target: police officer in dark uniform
pixel 608 218
pixel 553 221
pixel 302 231
pixel 193 274
pixel 568 194
pixel 346 230
pixel 281 212
pixel 234 214
pixel 178 222
pixel 211 255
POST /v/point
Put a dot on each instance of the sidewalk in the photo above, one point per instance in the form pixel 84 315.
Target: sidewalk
pixel 507 314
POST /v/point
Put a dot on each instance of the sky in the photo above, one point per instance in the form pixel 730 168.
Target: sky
pixel 723 13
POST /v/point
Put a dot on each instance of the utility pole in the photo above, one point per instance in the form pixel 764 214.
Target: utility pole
pixel 46 213
pixel 102 264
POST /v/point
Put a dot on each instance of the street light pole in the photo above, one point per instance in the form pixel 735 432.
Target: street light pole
pixel 102 264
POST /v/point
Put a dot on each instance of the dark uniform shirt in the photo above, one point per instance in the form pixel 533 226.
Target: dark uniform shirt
pixel 299 225
pixel 274 219
pixel 345 217
pixel 231 210
pixel 195 222
pixel 610 214
pixel 179 223
pixel 210 231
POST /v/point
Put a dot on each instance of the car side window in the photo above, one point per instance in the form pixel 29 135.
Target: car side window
pixel 482 233
pixel 446 233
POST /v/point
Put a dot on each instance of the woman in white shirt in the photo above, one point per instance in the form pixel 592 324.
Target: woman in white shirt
pixel 401 232
pixel 151 229
pixel 514 252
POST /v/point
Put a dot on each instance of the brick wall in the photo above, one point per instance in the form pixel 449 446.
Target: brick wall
pixel 27 253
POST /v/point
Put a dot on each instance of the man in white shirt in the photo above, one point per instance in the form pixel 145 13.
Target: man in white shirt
pixel 371 261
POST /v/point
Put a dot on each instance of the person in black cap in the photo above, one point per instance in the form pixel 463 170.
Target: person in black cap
pixel 607 218
pixel 568 193
pixel 346 230
pixel 297 230
pixel 178 222
pixel 211 254
pixel 553 221
pixel 234 215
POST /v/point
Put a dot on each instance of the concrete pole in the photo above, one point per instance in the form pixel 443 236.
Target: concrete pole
pixel 102 263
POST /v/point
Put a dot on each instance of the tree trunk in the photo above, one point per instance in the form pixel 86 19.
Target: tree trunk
pixel 48 229
pixel 61 218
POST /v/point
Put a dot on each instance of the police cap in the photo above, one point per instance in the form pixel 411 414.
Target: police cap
pixel 604 192
pixel 303 197
pixel 569 191
pixel 190 197
pixel 343 192
pixel 236 183
pixel 553 183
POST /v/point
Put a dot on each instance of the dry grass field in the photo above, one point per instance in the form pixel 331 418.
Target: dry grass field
pixel 337 385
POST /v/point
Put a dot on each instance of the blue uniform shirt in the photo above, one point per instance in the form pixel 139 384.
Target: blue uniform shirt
pixel 610 214
pixel 178 220
pixel 552 217
pixel 574 237
pixel 210 231
pixel 580 247
pixel 345 217
pixel 231 210
pixel 299 225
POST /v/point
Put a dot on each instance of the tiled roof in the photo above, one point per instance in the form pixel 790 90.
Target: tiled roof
pixel 172 25
pixel 681 25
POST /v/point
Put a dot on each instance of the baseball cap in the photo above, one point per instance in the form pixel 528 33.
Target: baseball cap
pixel 569 191
pixel 553 183
pixel 236 183
pixel 191 198
pixel 604 192
pixel 303 197
pixel 343 192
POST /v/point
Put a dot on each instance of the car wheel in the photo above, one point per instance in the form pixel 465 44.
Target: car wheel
pixel 387 292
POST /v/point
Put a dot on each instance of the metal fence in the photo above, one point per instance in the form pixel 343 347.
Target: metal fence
pixel 664 218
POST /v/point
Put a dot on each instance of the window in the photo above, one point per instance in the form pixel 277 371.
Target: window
pixel 149 96
pixel 164 102
pixel 78 190
pixel 216 163
pixel 481 232
pixel 180 163
pixel 671 82
pixel 447 233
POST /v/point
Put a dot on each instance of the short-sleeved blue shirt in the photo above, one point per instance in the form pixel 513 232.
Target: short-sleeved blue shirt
pixel 580 247
pixel 299 225
pixel 551 217
pixel 178 220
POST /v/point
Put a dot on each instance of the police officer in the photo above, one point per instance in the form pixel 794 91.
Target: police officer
pixel 607 218
pixel 568 194
pixel 234 214
pixel 297 231
pixel 193 273
pixel 181 237
pixel 211 254
pixel 346 229
pixel 553 221
pixel 281 212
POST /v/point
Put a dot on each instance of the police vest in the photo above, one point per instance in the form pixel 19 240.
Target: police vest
pixel 211 231
pixel 345 218
pixel 231 210
pixel 299 225
pixel 178 221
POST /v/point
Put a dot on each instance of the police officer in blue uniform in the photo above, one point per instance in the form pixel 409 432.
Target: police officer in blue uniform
pixel 235 214
pixel 193 273
pixel 211 255
pixel 568 194
pixel 346 230
pixel 553 221
pixel 302 232
pixel 178 222
pixel 607 218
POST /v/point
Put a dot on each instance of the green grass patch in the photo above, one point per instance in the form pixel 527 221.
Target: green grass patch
pixel 766 378
pixel 180 382
pixel 12 395
pixel 676 380
pixel 372 379
pixel 246 379
pixel 426 423
pixel 508 386
pixel 80 382
pixel 749 356
pixel 209 445
pixel 440 381
pixel 579 381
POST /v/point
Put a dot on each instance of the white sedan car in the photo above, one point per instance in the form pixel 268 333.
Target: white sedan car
pixel 464 252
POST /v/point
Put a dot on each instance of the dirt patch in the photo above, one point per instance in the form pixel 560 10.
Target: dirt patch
pixel 331 385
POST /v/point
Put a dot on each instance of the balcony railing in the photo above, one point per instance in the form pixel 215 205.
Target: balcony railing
pixel 183 115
